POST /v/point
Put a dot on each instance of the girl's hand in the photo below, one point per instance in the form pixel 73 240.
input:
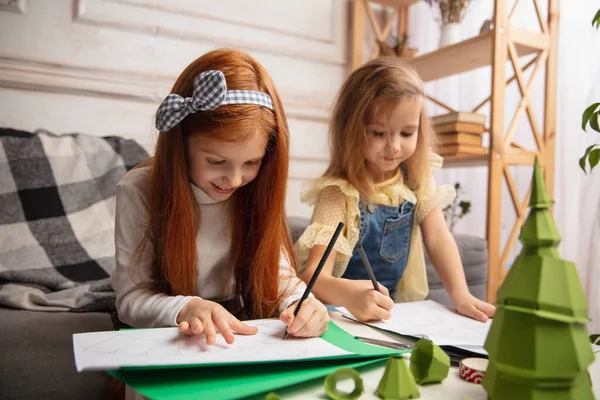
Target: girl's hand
pixel 366 303
pixel 203 316
pixel 470 306
pixel 311 321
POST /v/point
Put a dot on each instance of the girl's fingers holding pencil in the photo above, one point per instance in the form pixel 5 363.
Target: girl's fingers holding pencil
pixel 312 319
pixel 383 289
pixel 315 326
pixel 383 301
pixel 287 316
pixel 378 313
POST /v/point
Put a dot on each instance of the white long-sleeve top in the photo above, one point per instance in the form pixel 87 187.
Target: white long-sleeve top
pixel 139 306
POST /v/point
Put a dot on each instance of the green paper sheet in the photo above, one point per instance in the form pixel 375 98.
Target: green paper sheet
pixel 243 380
pixel 230 383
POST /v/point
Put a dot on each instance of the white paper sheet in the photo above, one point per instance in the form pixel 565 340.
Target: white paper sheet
pixel 166 346
pixel 434 321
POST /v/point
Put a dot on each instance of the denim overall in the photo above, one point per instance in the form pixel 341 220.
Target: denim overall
pixel 385 234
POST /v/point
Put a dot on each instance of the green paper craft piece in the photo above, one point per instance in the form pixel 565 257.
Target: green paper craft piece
pixel 272 396
pixel 397 382
pixel 343 373
pixel 539 194
pixel 429 363
pixel 537 344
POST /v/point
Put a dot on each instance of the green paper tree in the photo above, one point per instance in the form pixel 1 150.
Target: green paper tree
pixel 538 345
pixel 429 363
pixel 397 382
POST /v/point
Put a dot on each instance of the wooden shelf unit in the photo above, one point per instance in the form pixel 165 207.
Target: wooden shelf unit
pixel 493 49
pixel 471 54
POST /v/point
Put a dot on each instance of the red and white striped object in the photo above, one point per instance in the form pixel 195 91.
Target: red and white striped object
pixel 473 369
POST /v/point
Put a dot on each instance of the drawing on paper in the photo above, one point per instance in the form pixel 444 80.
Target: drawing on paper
pixel 435 322
pixel 442 325
pixel 167 346
pixel 170 344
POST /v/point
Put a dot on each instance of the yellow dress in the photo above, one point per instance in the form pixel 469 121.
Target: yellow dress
pixel 336 200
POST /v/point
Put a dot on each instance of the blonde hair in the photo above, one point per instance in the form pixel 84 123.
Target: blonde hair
pixel 383 79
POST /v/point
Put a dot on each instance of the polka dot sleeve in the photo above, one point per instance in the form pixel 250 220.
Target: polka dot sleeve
pixel 431 196
pixel 329 211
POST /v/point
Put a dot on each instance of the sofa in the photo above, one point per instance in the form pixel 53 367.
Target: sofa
pixel 45 300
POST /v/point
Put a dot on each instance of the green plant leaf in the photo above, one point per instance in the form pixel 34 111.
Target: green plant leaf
pixel 465 207
pixel 589 149
pixel 594 338
pixel 596 20
pixel 585 156
pixel 582 164
pixel 594 121
pixel 594 157
pixel 587 114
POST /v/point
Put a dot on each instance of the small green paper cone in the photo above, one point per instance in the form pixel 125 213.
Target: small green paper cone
pixel 332 380
pixel 397 382
pixel 429 363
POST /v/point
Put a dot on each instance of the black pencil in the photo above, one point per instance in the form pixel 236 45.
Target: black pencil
pixel 334 238
pixel 368 267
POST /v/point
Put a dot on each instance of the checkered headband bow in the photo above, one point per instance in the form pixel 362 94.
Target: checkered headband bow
pixel 210 92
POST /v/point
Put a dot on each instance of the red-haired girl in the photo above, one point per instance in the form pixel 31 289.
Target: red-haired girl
pixel 201 238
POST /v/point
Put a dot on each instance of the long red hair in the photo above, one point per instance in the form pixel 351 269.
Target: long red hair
pixel 258 216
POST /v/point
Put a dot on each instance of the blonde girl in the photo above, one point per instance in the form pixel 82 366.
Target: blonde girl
pixel 379 183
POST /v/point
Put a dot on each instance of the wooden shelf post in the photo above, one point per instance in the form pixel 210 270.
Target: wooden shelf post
pixel 358 32
pixel 496 150
pixel 550 96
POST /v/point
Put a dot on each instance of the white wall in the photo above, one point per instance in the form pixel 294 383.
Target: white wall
pixel 101 67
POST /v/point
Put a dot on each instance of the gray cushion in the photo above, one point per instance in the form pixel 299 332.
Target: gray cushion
pixel 473 253
pixel 37 355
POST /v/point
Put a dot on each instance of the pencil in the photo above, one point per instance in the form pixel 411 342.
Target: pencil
pixel 324 258
pixel 368 267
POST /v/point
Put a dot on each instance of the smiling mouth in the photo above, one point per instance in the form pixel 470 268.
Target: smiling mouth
pixel 221 189
pixel 389 158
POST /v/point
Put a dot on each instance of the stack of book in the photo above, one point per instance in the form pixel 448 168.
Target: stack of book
pixel 459 133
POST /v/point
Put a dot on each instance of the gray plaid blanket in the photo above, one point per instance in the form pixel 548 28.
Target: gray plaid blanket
pixel 57 206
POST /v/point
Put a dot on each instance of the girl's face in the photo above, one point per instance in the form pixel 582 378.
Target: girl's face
pixel 219 168
pixel 391 136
